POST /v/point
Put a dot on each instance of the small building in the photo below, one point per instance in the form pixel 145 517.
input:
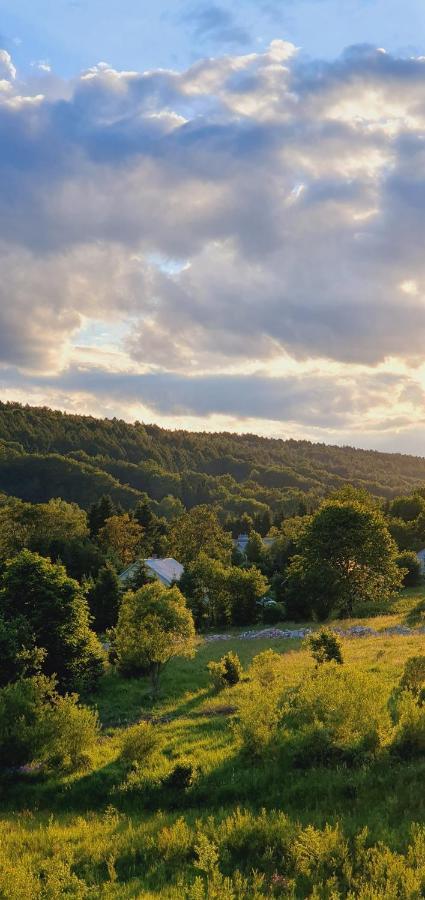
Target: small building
pixel 166 570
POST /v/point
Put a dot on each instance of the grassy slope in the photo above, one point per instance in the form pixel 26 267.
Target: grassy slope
pixel 383 797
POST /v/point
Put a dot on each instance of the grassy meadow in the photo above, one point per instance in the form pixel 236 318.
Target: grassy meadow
pixel 242 826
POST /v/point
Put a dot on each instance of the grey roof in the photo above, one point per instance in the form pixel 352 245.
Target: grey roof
pixel 167 570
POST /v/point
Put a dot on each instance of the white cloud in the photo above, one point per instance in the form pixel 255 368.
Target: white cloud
pixel 287 195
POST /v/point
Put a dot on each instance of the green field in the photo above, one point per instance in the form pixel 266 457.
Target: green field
pixel 111 832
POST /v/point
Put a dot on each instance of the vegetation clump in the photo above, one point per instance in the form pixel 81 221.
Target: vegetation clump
pixel 140 743
pixel 38 725
pixel 226 672
pixel 154 625
pixel 325 646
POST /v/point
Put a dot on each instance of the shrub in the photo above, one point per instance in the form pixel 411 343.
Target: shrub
pixel 273 612
pixel 38 725
pixel 225 673
pixel 24 723
pixel 325 647
pixel 181 776
pixel 266 668
pixel 140 743
pixel 409 735
pixel 413 676
pixel 408 561
pixel 341 710
pixel 258 719
pixel 74 733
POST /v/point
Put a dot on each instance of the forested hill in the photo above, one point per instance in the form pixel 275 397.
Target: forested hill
pixel 45 453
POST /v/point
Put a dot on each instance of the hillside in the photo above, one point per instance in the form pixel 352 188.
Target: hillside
pixel 45 453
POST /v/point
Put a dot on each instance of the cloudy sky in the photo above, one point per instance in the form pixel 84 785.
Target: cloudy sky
pixel 213 215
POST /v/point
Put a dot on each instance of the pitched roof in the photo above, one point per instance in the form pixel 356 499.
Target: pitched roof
pixel 167 569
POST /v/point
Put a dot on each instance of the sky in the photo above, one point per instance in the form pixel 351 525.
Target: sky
pixel 212 215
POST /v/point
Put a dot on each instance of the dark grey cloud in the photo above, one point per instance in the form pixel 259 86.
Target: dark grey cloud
pixel 315 399
pixel 211 22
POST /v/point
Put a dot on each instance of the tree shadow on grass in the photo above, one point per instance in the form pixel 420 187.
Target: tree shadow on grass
pixel 416 615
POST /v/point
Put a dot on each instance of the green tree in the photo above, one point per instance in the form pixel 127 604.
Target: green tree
pixel 199 531
pixel 255 551
pixel 170 508
pixel 346 555
pixel 154 625
pixel 99 512
pixel 409 563
pixel 121 537
pixel 104 599
pixel 38 725
pixel 245 588
pixel 51 614
pixel 222 595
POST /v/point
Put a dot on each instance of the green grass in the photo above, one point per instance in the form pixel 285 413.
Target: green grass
pixel 103 825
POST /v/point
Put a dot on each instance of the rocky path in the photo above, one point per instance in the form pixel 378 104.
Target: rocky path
pixel 354 631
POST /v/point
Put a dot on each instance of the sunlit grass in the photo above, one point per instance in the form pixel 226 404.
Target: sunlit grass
pixel 104 825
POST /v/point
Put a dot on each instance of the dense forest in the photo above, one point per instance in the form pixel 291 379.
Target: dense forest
pixel 46 453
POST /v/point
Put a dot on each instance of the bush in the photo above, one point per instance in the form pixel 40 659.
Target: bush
pixel 258 719
pixel 181 777
pixel 325 647
pixel 273 612
pixel 341 710
pixel 24 723
pixel 266 668
pixel 413 677
pixel 225 673
pixel 409 735
pixel 140 743
pixel 38 725
pixel 408 561
pixel 74 733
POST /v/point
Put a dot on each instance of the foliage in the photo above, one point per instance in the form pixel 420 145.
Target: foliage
pixel 258 718
pixel 51 613
pixel 24 719
pixel 411 568
pixel 346 555
pixel 226 672
pixel 99 512
pixel 181 776
pixel 337 711
pixel 140 743
pixel 325 646
pixel 222 595
pixel 74 732
pixel 255 550
pixel 103 598
pixel 38 725
pixel 409 734
pixel 154 625
pixel 121 537
pixel 199 531
pixel 413 677
pixel 272 612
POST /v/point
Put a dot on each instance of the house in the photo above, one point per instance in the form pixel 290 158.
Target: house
pixel 421 557
pixel 165 570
